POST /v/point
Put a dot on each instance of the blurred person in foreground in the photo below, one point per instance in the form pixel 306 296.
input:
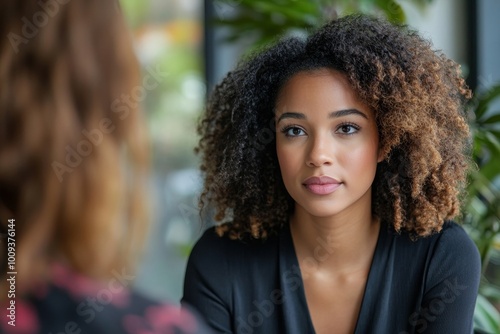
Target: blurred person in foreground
pixel 73 157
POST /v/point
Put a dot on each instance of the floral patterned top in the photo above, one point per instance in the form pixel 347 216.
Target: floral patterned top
pixel 75 304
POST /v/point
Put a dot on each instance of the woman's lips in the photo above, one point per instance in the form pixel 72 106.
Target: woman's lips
pixel 322 185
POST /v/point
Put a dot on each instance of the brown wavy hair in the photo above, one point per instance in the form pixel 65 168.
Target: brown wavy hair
pixel 418 96
pixel 71 162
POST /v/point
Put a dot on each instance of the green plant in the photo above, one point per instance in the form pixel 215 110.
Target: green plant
pixel 483 201
pixel 263 21
pixel 482 205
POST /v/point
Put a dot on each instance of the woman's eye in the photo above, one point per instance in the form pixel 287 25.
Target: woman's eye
pixel 347 129
pixel 294 132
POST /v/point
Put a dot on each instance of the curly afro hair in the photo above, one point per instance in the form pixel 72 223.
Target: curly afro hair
pixel 418 96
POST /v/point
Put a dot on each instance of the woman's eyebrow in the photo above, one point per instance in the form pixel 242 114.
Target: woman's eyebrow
pixel 333 114
pixel 345 112
pixel 295 115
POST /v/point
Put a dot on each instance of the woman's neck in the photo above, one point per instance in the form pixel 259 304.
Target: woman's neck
pixel 334 245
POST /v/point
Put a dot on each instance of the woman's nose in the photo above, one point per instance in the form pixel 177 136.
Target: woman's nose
pixel 320 152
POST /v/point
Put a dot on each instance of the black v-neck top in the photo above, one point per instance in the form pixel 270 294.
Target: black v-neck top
pixel 425 286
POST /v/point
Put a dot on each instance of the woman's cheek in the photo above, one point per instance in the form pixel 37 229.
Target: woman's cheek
pixel 289 160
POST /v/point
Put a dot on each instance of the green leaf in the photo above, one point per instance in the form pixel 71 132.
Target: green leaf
pixel 490 169
pixel 492 120
pixel 422 4
pixel 483 100
pixel 490 291
pixel 392 10
pixel 486 317
pixel 492 142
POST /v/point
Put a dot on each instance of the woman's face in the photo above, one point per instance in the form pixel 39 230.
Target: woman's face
pixel 327 144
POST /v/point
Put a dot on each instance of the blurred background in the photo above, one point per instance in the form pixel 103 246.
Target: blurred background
pixel 194 43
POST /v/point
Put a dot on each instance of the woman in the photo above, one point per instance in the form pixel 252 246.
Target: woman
pixel 73 158
pixel 335 165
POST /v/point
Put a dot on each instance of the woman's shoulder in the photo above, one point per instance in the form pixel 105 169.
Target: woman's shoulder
pixel 213 247
pixel 448 252
pixel 450 248
pixel 219 255
pixel 453 237
pixel 455 247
